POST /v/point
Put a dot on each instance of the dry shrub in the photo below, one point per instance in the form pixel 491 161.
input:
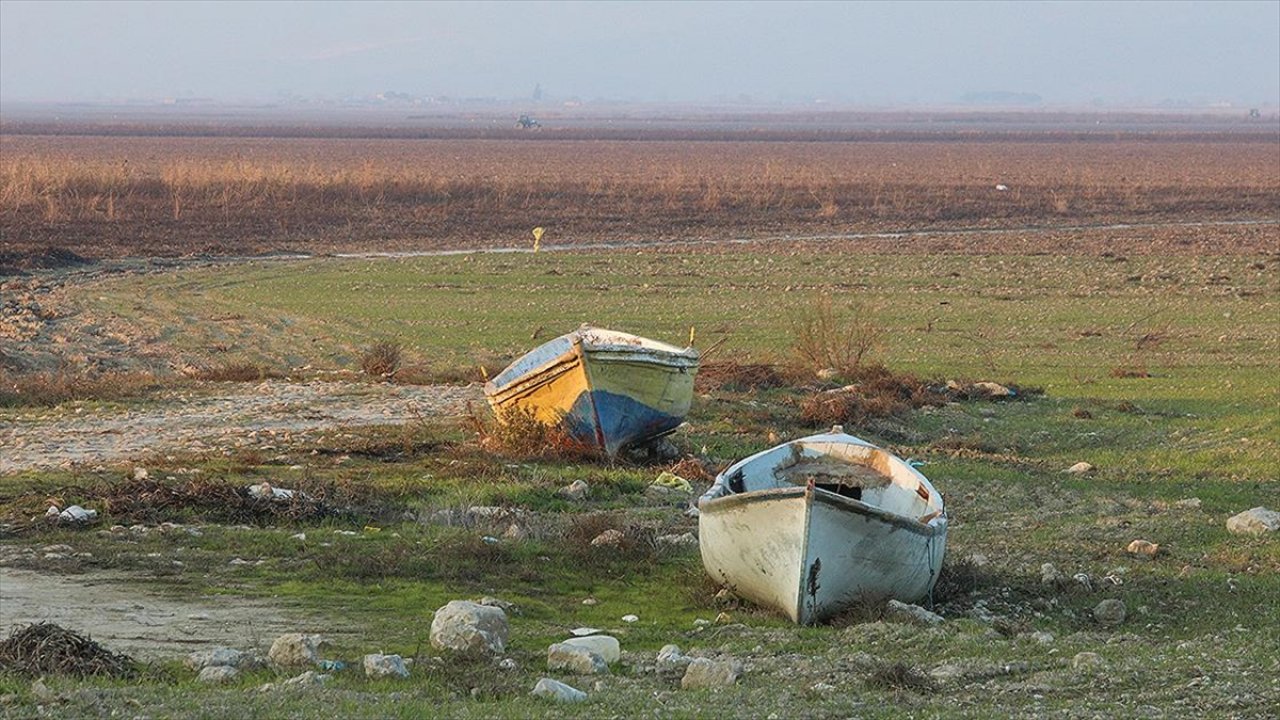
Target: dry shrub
pixel 47 649
pixel 693 470
pixel 822 338
pixel 382 359
pixel 47 389
pixel 738 377
pixel 244 371
pixel 518 433
pixel 877 393
pixel 957 580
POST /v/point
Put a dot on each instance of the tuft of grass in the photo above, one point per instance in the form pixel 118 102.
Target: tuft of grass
pixel 382 359
pixel 900 676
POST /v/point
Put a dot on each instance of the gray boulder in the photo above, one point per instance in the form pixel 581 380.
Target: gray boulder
pixel 605 646
pixel 914 614
pixel 468 627
pixel 295 650
pixel 671 661
pixel 574 659
pixel 1257 521
pixel 223 656
pixel 383 666
pixel 217 675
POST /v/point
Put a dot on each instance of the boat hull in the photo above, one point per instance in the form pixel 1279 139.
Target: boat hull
pixel 811 553
pixel 610 397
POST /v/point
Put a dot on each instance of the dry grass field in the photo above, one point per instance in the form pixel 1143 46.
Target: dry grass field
pixel 110 196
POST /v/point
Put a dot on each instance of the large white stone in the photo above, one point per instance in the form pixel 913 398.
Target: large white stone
pixel 1257 521
pixel 464 626
pixel 605 646
pixel 295 650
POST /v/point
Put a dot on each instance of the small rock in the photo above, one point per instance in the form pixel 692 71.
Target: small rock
pixel 670 660
pixel 948 672
pixel 508 664
pixel 1042 637
pixel 630 618
pixel 584 631
pixel 298 536
pixel 827 374
pixel 822 687
pixel 226 656
pixel 1079 468
pixel 469 627
pixel 914 614
pixel 678 541
pixel 1050 575
pixel 575 659
pixel 1142 548
pixel 1188 504
pixel 295 650
pixel 1256 521
pixel 704 673
pixel 590 601
pixel 383 666
pixel 217 675
pixel 310 677
pixel 577 490
pixel 1084 660
pixel 557 691
pixel 993 390
pixel 608 538
pixel 41 692
pixel 140 473
pixel 605 646
pixel 1109 612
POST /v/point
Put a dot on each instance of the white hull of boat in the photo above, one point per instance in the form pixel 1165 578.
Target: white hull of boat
pixel 810 552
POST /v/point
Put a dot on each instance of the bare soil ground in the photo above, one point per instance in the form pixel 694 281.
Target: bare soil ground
pixel 235 415
pixel 118 613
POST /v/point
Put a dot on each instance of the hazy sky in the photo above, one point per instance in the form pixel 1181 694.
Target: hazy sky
pixel 867 53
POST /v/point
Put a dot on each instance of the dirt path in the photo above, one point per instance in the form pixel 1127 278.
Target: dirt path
pixel 241 415
pixel 124 618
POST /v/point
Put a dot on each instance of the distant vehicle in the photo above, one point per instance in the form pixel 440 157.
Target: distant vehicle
pixel 527 123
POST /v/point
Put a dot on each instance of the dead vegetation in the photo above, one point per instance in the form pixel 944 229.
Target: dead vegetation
pixel 48 389
pixel 876 392
pixel 94 196
pixel 382 359
pixel 47 649
pixel 518 434
pixel 825 339
pixel 153 501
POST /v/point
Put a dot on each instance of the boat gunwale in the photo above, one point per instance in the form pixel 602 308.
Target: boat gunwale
pixel 933 528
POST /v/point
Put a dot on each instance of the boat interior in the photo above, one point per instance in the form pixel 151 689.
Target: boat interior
pixel 859 472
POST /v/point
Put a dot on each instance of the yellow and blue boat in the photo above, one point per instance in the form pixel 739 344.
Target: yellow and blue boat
pixel 608 389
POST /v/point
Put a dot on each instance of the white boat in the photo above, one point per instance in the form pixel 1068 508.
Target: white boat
pixel 815 525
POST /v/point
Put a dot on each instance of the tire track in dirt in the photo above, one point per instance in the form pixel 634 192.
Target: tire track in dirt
pixel 238 416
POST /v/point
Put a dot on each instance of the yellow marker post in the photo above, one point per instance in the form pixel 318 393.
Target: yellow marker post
pixel 690 336
pixel 537 238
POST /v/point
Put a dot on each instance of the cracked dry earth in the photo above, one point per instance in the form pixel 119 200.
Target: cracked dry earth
pixel 235 416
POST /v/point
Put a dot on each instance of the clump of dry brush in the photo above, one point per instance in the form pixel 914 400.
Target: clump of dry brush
pixel 48 649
